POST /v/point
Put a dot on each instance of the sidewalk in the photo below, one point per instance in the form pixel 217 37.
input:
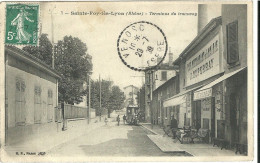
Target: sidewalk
pixel 75 128
pixel 167 144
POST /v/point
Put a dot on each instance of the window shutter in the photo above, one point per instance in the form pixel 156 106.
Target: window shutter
pixel 232 43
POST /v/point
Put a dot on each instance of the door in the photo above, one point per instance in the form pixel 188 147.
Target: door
pixel 50 106
pixel 20 112
pixel 234 118
pixel 196 113
pixel 37 104
pixel 213 115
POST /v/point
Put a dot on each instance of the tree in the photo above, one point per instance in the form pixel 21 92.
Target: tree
pixel 43 51
pixel 72 62
pixel 112 98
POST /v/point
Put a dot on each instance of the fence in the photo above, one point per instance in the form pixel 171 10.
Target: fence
pixel 70 112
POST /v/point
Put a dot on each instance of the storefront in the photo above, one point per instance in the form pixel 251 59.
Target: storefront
pixel 224 107
pixel 174 106
pixel 180 106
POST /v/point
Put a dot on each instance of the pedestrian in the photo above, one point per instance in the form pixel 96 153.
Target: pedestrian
pixel 124 118
pixel 118 120
pixel 174 126
pixel 106 120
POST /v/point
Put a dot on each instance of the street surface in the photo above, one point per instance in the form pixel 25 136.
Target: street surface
pixel 111 140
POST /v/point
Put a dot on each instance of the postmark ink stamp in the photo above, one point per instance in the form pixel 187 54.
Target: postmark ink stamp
pixel 142 46
pixel 21 24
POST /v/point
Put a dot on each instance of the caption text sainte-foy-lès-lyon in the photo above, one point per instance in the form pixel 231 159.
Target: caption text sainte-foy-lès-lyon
pixel 131 13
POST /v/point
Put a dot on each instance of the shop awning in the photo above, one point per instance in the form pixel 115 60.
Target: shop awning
pixel 177 99
pixel 206 91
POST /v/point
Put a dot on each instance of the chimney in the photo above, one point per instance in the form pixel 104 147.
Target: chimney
pixel 202 16
pixel 159 60
pixel 170 57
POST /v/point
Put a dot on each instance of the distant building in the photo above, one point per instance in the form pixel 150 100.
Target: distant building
pixel 31 95
pixel 156 78
pixel 162 112
pixel 130 93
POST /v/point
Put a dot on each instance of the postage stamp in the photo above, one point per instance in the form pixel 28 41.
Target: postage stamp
pixel 142 46
pixel 21 24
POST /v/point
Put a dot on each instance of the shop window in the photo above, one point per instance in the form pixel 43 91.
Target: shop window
pixel 187 122
pixel 164 75
pixel 205 123
pixel 232 43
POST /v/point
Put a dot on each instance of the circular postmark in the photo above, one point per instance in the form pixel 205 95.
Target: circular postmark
pixel 142 46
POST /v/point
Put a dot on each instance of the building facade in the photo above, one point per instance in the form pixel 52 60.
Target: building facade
pixel 31 95
pixel 213 79
pixel 161 114
pixel 130 93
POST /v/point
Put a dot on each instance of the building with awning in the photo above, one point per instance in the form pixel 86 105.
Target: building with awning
pixel 206 91
pixel 213 79
pixel 182 102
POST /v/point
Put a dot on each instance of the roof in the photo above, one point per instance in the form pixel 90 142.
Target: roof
pixel 206 30
pixel 29 58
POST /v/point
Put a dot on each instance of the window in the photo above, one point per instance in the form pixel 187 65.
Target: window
pixel 164 75
pixel 232 43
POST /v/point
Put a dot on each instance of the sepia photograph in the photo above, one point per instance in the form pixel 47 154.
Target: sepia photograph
pixel 127 81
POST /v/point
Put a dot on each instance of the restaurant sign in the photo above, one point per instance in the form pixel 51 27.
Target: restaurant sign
pixel 204 64
pixel 202 94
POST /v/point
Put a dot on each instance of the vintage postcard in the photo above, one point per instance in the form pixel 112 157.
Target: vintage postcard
pixel 127 81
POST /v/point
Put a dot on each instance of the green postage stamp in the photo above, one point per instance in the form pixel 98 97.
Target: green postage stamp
pixel 22 24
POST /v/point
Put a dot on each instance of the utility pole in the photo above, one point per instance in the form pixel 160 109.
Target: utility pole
pixel 151 95
pixel 89 89
pixel 132 95
pixel 52 36
pixel 99 98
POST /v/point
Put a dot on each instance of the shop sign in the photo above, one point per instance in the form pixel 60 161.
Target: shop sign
pixel 203 64
pixel 203 94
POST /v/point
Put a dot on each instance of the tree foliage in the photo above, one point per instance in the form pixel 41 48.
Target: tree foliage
pixel 112 97
pixel 43 51
pixel 72 62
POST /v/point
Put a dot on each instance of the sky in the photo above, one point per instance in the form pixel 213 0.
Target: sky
pixel 100 33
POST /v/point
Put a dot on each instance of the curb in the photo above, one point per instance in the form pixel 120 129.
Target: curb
pixel 149 129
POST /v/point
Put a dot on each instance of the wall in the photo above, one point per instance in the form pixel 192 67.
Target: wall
pixel 159 81
pixel 167 90
pixel 231 13
pixel 30 82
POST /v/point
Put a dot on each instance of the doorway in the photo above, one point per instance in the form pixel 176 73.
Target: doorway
pixel 234 118
pixel 196 115
pixel 213 116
